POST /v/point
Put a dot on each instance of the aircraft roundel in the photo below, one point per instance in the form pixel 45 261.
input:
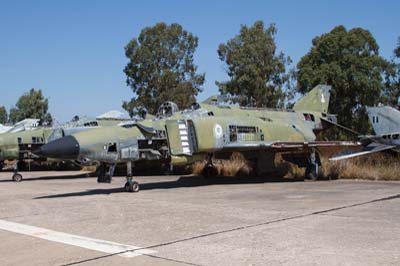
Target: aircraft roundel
pixel 218 131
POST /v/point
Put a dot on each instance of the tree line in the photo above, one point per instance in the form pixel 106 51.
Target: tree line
pixel 161 68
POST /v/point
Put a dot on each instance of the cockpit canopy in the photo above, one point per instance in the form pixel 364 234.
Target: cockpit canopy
pixel 56 133
pixel 167 109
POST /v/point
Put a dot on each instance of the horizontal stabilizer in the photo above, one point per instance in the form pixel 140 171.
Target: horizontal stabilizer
pixel 372 148
pixel 340 126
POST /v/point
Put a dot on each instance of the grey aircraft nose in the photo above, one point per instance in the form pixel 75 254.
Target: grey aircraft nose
pixel 63 148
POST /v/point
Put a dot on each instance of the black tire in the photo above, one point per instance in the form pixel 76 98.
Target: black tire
pixel 104 179
pixel 127 187
pixel 209 171
pixel 132 187
pixel 17 177
pixel 311 173
pixel 135 186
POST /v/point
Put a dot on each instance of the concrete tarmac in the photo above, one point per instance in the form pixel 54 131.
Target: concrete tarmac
pixel 186 220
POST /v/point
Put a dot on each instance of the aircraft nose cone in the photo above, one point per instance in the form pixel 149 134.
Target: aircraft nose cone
pixel 63 148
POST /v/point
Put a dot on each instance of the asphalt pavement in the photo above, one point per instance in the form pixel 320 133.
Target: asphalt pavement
pixel 67 218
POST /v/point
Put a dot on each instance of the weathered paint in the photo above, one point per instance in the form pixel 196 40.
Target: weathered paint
pixel 9 147
pixel 207 121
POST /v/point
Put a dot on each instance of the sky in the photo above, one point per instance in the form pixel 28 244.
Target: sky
pixel 74 50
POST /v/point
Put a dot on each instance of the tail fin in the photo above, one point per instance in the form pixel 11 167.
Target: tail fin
pixel 316 100
pixel 384 119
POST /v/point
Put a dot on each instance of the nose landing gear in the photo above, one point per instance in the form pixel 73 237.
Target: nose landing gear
pixel 17 177
pixel 130 185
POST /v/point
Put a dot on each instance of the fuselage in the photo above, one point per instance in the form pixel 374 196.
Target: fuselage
pixel 119 144
pixel 386 123
pixel 13 144
pixel 391 139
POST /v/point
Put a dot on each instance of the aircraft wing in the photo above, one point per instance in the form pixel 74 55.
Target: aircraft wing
pixel 372 148
pixel 280 146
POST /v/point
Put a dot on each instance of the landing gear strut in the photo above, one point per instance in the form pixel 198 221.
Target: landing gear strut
pixel 17 177
pixel 209 169
pixel 106 172
pixel 312 168
pixel 130 185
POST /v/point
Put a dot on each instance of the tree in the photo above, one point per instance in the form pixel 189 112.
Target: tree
pixel 350 62
pixel 161 68
pixel 31 105
pixel 397 50
pixel 392 88
pixel 3 115
pixel 256 71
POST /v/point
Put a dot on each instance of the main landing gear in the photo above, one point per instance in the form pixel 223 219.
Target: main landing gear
pixel 312 167
pixel 106 172
pixel 209 169
pixel 130 185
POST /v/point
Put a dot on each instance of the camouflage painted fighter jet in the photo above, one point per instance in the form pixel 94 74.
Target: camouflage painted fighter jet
pixel 19 143
pixel 204 131
pixel 386 123
pixel 26 124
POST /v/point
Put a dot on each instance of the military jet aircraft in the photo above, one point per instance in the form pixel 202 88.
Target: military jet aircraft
pixel 386 123
pixel 204 131
pixel 26 136
pixel 18 146
pixel 26 124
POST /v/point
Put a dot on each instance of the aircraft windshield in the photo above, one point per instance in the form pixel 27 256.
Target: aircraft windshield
pixel 56 134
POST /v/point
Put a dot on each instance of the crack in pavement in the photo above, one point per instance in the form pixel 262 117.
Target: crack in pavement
pixel 232 230
pixel 114 254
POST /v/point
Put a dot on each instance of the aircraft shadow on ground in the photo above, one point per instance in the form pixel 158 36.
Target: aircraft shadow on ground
pixel 183 181
pixel 28 179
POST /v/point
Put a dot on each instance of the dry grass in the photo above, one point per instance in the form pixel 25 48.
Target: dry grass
pixel 237 165
pixel 294 172
pixel 373 167
pixel 197 167
pixel 89 168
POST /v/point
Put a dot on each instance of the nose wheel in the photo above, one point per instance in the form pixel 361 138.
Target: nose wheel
pixel 17 177
pixel 132 186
